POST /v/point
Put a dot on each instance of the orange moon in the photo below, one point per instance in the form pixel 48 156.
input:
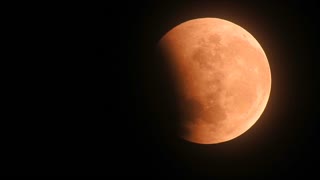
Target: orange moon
pixel 223 78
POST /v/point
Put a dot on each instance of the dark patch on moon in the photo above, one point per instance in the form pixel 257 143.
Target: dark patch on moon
pixel 216 114
pixel 201 56
pixel 215 82
pixel 205 59
pixel 207 55
pixel 214 39
pixel 191 110
pixel 211 96
pixel 204 55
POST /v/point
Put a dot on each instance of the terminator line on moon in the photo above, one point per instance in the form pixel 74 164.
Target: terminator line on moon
pixel 223 76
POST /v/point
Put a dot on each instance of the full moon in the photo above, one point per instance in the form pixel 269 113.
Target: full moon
pixel 223 78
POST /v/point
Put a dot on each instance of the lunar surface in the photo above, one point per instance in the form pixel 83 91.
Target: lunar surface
pixel 223 78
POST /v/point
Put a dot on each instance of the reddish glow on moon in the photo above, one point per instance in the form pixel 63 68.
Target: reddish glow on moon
pixel 223 76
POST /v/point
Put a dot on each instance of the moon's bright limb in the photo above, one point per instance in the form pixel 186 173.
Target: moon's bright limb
pixel 224 78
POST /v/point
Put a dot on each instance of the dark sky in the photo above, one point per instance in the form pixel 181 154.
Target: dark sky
pixel 87 96
pixel 283 142
pixel 113 112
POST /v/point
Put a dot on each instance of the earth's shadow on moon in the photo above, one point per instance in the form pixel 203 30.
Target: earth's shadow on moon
pixel 168 109
pixel 161 91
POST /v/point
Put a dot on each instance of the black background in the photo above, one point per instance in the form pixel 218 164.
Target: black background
pixel 99 102
pixel 283 142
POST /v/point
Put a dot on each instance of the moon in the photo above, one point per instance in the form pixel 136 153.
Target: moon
pixel 223 78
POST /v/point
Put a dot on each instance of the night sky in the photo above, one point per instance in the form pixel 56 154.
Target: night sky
pixel 113 112
pixel 141 140
pixel 87 95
